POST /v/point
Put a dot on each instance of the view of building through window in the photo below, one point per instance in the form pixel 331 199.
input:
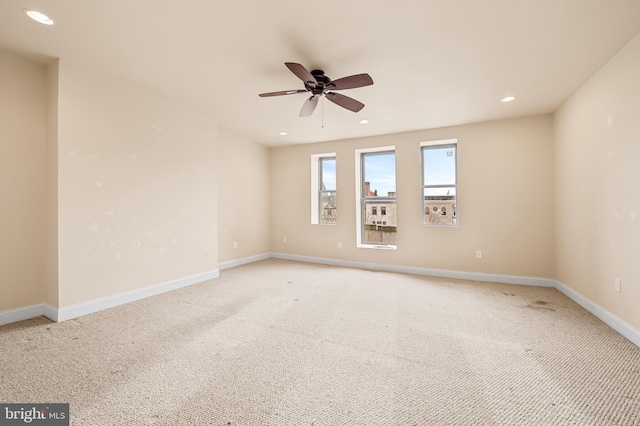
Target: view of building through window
pixel 379 198
pixel 439 184
pixel 327 193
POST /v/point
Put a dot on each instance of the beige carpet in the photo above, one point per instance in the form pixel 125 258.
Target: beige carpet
pixel 286 343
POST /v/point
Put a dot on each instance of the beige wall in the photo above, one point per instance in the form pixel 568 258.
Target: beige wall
pixel 22 181
pixel 243 198
pixel 137 200
pixel 505 163
pixel 597 134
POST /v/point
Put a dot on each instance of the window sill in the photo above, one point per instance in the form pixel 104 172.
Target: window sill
pixel 377 246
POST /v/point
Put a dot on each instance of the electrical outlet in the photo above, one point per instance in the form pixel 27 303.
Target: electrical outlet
pixel 478 254
pixel 340 245
pixel 284 239
pixel 617 284
pixel 235 244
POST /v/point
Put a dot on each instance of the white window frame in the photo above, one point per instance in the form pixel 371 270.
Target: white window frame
pixel 315 186
pixel 444 142
pixel 359 185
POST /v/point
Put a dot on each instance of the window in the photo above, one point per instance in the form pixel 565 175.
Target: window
pixel 323 189
pixel 376 192
pixel 439 182
pixel 328 210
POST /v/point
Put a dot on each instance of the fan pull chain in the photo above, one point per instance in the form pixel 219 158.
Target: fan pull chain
pixel 322 111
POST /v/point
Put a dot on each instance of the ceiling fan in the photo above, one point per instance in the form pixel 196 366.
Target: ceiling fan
pixel 319 84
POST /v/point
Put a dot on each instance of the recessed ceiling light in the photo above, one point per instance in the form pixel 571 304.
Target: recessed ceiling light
pixel 508 98
pixel 364 121
pixel 283 133
pixel 38 17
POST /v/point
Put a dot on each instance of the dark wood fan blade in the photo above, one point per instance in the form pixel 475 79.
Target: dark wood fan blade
pixel 351 82
pixel 302 73
pixel 309 106
pixel 284 92
pixel 345 101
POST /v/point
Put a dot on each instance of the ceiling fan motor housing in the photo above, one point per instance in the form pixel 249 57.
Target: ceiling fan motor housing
pixel 323 82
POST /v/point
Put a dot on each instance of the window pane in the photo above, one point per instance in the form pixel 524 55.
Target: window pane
pixel 440 205
pixel 379 198
pixel 439 165
pixel 379 175
pixel 328 173
pixel 328 211
pixel 379 229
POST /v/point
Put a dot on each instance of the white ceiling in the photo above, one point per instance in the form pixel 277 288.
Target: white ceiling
pixel 435 63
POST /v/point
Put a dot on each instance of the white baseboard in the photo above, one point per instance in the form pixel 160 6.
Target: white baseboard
pixel 233 263
pixel 75 311
pixel 96 305
pixel 602 314
pixel 474 276
pixel 50 312
pixel 20 314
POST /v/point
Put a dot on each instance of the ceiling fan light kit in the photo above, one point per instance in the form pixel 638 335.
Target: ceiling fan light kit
pixel 318 84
